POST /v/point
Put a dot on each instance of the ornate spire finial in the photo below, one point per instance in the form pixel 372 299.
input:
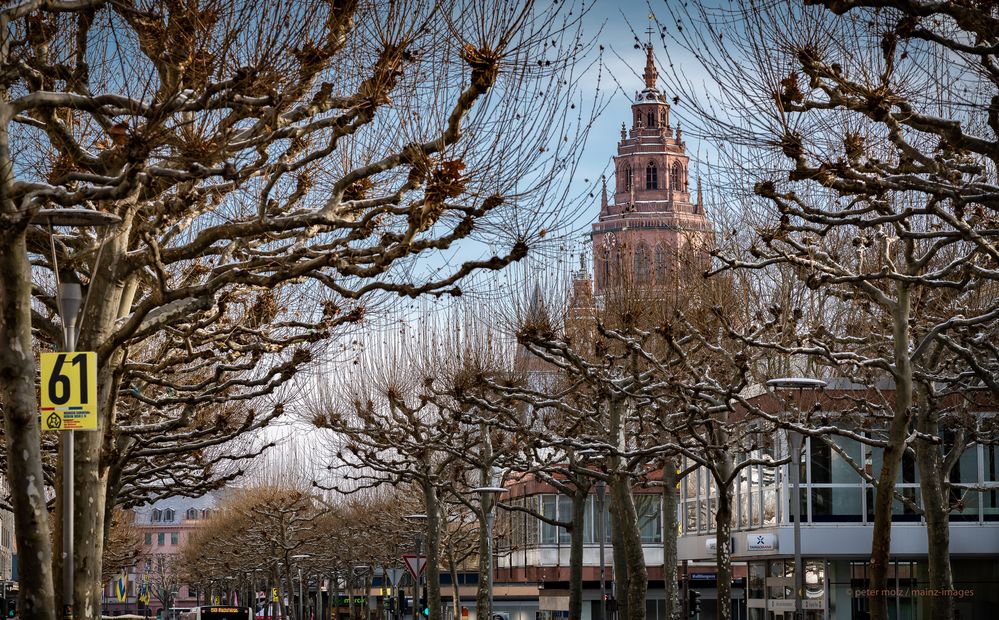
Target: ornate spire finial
pixel 603 196
pixel 650 68
pixel 700 197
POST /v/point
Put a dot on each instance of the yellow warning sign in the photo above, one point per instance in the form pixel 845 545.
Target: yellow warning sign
pixel 69 391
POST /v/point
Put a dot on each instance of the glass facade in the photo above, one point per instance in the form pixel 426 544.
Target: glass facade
pixel 559 508
pixel 832 489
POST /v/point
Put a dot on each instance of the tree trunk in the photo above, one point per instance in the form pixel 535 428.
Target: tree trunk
pixel 91 471
pixel 935 492
pixel 634 560
pixel 579 498
pixel 892 460
pixel 455 590
pixel 672 590
pixel 433 572
pixel 723 551
pixel 36 598
pixel 619 579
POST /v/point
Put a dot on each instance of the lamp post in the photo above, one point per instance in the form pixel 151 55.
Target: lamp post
pixel 301 601
pixel 601 489
pixel 416 518
pixel 357 571
pixel 795 440
pixel 487 503
pixel 69 295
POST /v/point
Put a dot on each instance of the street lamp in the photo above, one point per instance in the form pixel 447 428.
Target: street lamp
pixel 301 601
pixel 416 518
pixel 795 439
pixel 358 571
pixel 487 503
pixel 69 295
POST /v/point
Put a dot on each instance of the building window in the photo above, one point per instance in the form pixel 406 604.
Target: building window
pixel 676 177
pixel 174 538
pixel 168 515
pixel 157 515
pixel 192 513
pixel 626 173
pixel 835 490
pixel 652 119
pixel 149 538
pixel 662 260
pixel 651 176
pixel 649 508
pixel 205 513
pixel 161 539
pixel 642 264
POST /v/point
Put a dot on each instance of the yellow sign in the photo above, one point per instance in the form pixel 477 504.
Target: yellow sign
pixel 69 391
pixel 274 594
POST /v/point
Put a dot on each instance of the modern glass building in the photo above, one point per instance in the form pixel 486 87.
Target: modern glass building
pixel 837 512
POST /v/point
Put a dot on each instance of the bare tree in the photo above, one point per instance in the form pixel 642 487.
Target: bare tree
pixel 274 165
pixel 879 187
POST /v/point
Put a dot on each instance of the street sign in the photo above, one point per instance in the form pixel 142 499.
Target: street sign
pixel 394 575
pixel 416 564
pixel 69 391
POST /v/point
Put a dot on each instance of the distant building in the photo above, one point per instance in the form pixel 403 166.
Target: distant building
pixel 654 222
pixel 164 527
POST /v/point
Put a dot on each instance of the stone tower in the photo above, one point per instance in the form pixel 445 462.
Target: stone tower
pixel 653 224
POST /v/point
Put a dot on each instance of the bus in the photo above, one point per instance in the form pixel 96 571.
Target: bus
pixel 218 612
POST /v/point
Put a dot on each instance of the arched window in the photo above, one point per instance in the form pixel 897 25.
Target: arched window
pixel 651 176
pixel 206 513
pixel 192 513
pixel 626 172
pixel 662 262
pixel 642 264
pixel 157 515
pixel 652 120
pixel 676 177
pixel 168 515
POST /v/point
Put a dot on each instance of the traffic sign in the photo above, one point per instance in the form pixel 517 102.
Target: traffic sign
pixel 416 564
pixel 69 391
pixel 393 574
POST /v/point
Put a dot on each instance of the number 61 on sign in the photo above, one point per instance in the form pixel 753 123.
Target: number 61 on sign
pixel 69 391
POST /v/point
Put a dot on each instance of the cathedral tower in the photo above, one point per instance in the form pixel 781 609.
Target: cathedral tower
pixel 653 224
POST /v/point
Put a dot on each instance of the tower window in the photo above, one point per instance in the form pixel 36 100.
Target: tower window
pixel 626 173
pixel 676 177
pixel 651 176
pixel 652 120
pixel 662 261
pixel 641 264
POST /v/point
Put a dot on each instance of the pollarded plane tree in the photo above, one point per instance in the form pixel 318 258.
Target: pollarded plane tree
pixel 274 166
pixel 689 379
pixel 608 426
pixel 256 529
pixel 382 428
pixel 872 136
pixel 519 414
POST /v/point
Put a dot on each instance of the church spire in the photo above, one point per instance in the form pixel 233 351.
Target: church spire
pixel 650 69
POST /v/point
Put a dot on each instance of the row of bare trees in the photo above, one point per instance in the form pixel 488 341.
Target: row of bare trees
pixel 279 169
